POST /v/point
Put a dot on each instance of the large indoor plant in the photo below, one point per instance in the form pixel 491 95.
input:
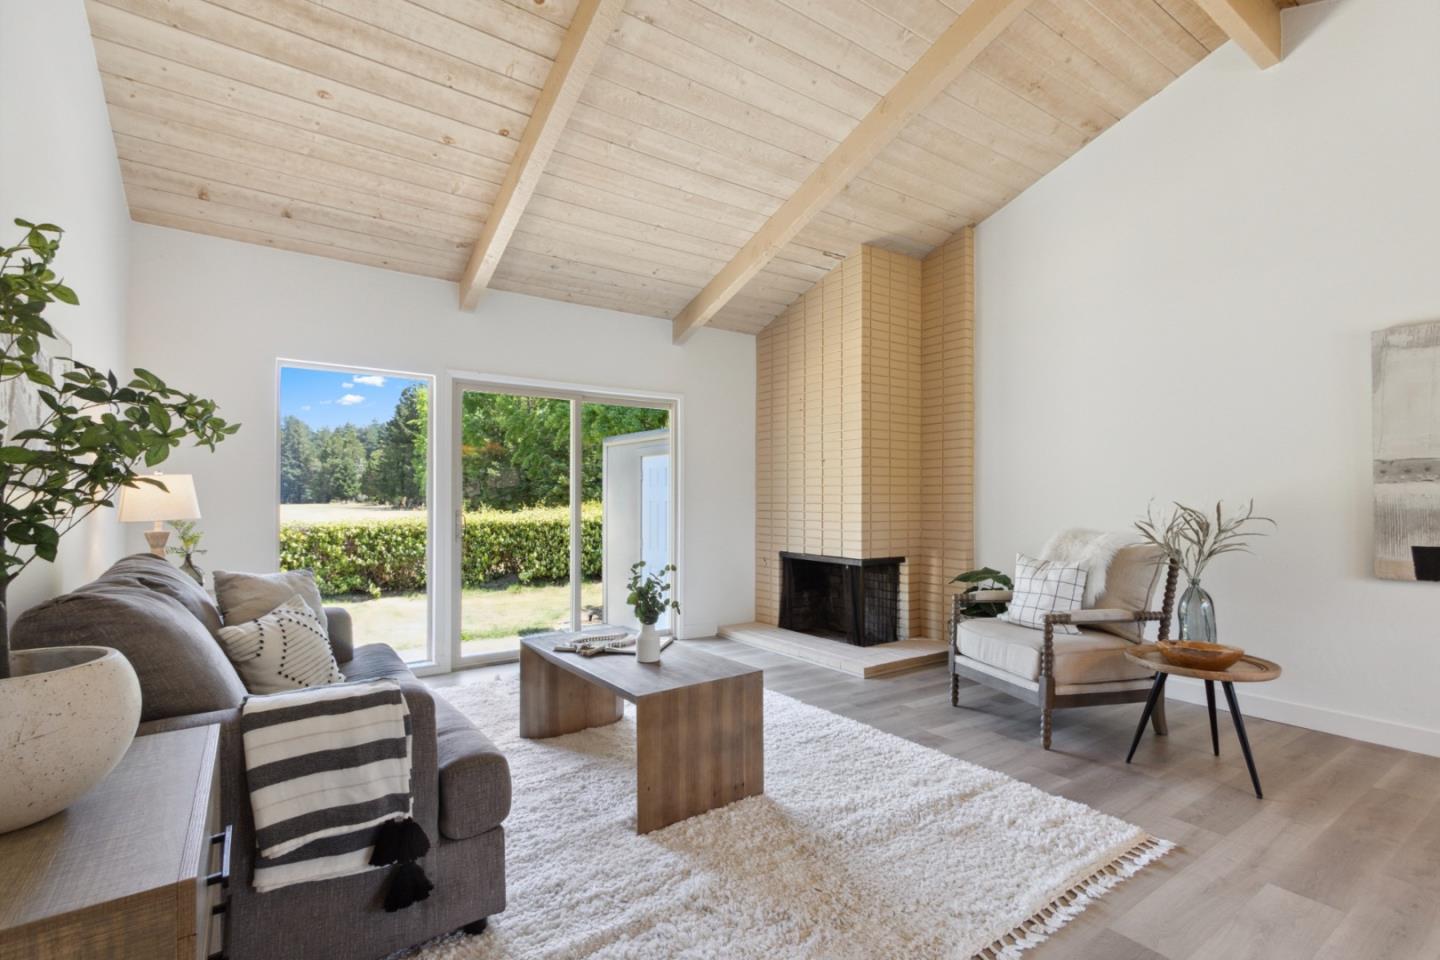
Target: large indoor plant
pixel 649 597
pixel 67 714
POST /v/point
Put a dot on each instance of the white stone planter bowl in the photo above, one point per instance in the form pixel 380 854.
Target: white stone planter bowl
pixel 67 716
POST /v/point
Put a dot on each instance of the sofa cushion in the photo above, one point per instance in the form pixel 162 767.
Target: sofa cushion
pixel 1089 656
pixel 180 666
pixel 1130 583
pixel 376 661
pixel 147 571
pixel 474 774
pixel 249 596
pixel 286 649
pixel 1043 587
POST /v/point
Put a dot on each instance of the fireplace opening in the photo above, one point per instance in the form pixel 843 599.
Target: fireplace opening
pixel 854 601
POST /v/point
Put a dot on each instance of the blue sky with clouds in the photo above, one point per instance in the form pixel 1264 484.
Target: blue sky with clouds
pixel 329 398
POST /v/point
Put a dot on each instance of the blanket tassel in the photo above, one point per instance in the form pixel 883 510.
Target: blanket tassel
pixel 408 884
pixel 402 842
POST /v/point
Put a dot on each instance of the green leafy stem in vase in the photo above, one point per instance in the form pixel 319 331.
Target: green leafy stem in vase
pixel 1192 538
pixel 650 593
pixel 94 430
pixel 189 534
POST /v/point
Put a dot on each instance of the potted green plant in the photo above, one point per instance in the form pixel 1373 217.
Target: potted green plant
pixel 93 433
pixel 974 604
pixel 649 598
pixel 189 535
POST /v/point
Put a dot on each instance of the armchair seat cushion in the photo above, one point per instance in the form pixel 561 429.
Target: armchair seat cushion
pixel 1088 656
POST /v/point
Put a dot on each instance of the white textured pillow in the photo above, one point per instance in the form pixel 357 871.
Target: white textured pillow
pixel 1045 586
pixel 285 649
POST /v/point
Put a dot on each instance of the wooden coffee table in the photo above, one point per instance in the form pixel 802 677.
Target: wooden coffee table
pixel 699 718
pixel 1247 669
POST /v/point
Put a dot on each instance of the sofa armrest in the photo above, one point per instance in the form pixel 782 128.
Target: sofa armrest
pixel 424 760
pixel 342 633
pixel 474 776
pixel 989 596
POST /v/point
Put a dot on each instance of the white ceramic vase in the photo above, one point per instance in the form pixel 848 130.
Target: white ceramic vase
pixel 67 716
pixel 647 645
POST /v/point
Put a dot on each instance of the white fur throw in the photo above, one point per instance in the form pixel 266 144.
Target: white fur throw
pixel 1091 551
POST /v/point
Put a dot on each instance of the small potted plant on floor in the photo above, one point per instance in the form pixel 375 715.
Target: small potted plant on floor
pixel 976 600
pixel 650 598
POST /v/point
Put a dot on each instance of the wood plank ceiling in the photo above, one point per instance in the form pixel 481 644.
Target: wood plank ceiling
pixel 380 131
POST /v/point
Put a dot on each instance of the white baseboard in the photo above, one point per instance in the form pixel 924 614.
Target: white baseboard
pixel 1385 732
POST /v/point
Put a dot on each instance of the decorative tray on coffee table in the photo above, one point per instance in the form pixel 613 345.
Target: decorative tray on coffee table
pixel 612 641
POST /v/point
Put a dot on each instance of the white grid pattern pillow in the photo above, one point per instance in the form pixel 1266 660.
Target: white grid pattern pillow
pixel 1045 586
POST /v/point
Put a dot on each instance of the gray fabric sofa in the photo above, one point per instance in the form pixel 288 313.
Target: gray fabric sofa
pixel 165 624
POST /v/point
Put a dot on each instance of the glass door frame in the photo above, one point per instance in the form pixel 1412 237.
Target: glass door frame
pixel 436 660
pixel 461 382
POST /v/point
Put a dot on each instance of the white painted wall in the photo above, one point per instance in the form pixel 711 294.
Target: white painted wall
pixel 57 164
pixel 217 314
pixel 1183 312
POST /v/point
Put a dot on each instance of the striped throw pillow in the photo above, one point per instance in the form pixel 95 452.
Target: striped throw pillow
pixel 1045 586
pixel 286 649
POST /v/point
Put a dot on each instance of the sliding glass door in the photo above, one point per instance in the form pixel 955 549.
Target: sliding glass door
pixel 559 495
pixel 515 523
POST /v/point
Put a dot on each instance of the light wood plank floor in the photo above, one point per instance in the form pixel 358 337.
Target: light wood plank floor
pixel 1340 861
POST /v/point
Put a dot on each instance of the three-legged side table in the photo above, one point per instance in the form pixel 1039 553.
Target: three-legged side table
pixel 1247 670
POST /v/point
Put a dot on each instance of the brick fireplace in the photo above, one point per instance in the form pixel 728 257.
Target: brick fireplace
pixel 864 430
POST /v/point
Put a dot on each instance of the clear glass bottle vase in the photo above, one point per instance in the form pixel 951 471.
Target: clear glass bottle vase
pixel 1197 614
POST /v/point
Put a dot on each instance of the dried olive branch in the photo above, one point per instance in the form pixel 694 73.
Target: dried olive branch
pixel 1192 538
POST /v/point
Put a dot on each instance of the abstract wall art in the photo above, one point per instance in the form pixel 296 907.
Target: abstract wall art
pixel 1405 396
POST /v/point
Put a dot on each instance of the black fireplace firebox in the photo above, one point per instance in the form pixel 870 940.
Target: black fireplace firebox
pixel 857 601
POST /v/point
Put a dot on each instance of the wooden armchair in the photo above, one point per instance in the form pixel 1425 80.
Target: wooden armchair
pixel 1054 672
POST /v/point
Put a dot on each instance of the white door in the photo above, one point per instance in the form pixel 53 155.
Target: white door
pixel 655 517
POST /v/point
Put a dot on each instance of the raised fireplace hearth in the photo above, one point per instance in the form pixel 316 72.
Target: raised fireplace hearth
pixel 847 599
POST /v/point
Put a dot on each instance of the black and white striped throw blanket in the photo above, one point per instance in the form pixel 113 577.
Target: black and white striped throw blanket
pixel 328 770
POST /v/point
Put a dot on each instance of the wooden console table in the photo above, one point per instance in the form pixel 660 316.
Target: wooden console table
pixel 699 740
pixel 123 872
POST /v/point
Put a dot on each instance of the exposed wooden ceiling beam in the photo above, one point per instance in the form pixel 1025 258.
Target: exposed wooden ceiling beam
pixel 937 68
pixel 1254 25
pixel 591 27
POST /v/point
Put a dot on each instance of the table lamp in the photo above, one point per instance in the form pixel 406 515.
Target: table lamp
pixel 146 502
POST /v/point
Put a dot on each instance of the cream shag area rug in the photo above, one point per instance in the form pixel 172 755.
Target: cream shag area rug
pixel 864 845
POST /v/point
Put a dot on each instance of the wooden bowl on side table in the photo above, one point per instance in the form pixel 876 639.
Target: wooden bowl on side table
pixel 1198 655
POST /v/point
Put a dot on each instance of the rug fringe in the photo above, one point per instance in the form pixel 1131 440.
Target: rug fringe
pixel 1071 902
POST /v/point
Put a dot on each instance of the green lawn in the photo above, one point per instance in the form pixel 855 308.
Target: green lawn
pixel 349 512
pixel 491 618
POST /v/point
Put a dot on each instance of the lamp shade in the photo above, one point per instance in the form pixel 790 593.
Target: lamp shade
pixel 146 502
